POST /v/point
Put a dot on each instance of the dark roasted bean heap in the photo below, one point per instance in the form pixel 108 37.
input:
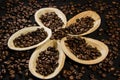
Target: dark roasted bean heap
pixel 52 21
pixel 31 38
pixel 81 25
pixel 59 34
pixel 81 49
pixel 15 15
pixel 47 61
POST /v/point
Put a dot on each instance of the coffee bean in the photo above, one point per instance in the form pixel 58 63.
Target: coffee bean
pixel 112 69
pixel 103 75
pixel 1 77
pixel 92 76
pixel 71 78
pixel 12 76
pixel 26 74
pixel 3 71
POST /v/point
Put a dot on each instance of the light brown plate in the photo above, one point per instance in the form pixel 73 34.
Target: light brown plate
pixel 94 43
pixel 92 14
pixel 33 58
pixel 24 31
pixel 42 11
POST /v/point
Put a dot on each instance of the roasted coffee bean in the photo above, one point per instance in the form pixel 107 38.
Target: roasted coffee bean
pixel 31 38
pixel 3 71
pixel 1 77
pixel 47 61
pixel 52 21
pixel 92 76
pixel 103 75
pixel 12 76
pixel 81 49
pixel 71 77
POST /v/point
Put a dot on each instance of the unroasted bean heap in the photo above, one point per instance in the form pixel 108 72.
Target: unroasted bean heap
pixel 31 38
pixel 82 25
pixel 47 61
pixel 81 49
pixel 52 21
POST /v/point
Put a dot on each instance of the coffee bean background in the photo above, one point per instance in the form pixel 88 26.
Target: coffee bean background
pixel 17 14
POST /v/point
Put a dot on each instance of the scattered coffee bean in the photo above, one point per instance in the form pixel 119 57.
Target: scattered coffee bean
pixel 81 49
pixel 52 21
pixel 31 38
pixel 71 77
pixel 1 77
pixel 12 76
pixel 47 61
pixel 92 76
pixel 73 71
pixel 103 75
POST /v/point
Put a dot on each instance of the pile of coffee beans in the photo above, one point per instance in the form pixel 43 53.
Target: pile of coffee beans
pixel 47 61
pixel 30 38
pixel 18 14
pixel 52 21
pixel 81 49
pixel 81 25
pixel 59 34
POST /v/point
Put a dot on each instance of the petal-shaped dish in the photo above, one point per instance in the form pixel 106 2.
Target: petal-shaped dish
pixel 33 58
pixel 47 10
pixel 24 31
pixel 94 43
pixel 91 14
